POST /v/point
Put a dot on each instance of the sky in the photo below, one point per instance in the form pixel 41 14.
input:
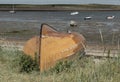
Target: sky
pixel 115 2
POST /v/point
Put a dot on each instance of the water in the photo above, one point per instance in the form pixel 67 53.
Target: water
pixel 31 20
pixel 57 16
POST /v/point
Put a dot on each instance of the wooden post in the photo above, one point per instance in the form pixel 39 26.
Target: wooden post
pixel 39 52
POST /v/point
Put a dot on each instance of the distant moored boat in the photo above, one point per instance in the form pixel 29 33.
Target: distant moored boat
pixel 74 13
pixel 13 10
pixel 110 17
pixel 73 23
pixel 88 18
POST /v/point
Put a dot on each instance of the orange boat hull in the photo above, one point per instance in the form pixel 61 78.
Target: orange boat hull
pixel 54 46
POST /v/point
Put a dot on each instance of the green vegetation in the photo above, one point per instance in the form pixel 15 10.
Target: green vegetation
pixel 62 7
pixel 62 66
pixel 100 6
pixel 16 31
pixel 73 70
pixel 27 64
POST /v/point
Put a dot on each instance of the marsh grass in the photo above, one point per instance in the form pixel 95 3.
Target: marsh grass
pixel 84 6
pixel 75 70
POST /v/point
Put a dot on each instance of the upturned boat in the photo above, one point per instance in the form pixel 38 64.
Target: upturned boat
pixel 52 46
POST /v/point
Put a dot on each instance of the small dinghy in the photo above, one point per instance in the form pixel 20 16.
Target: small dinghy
pixel 74 13
pixel 53 46
pixel 88 18
pixel 73 23
pixel 110 17
pixel 13 10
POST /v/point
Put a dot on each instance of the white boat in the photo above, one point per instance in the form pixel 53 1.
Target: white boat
pixel 13 10
pixel 73 23
pixel 74 13
pixel 88 18
pixel 110 17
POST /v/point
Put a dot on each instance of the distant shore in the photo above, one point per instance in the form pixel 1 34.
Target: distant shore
pixel 93 7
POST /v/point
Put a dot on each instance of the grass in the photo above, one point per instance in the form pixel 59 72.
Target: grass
pixel 75 70
pixel 64 6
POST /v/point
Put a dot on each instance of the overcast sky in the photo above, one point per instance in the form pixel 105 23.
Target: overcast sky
pixel 117 2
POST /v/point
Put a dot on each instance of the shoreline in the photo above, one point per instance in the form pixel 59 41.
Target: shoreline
pixel 91 50
pixel 59 7
pixel 55 9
